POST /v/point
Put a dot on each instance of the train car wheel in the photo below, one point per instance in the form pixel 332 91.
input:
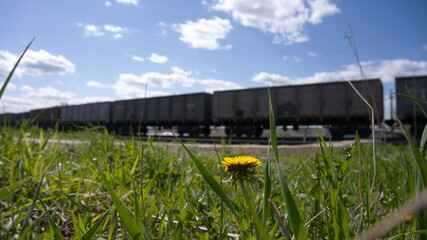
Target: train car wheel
pixel 206 131
pixel 181 131
pixel 144 130
pixel 417 131
pixel 228 131
pixel 194 131
pixel 258 131
pixel 248 131
pixel 364 131
pixel 337 132
pixel 238 131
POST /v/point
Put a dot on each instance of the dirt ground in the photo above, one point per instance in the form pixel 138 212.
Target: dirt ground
pixel 259 151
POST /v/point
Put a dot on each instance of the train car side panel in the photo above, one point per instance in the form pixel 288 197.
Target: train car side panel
pixel 261 105
pixel 406 109
pixel 130 111
pixel 334 101
pixel 198 108
pixel 224 106
pixel 46 117
pixel 177 107
pixel 85 113
pixel 64 113
pixel 13 119
pixel 245 101
pixel 286 102
pixel 119 109
pixel 152 113
pixel 357 109
pixel 102 112
pixel 164 116
pixel 310 104
pixel 140 115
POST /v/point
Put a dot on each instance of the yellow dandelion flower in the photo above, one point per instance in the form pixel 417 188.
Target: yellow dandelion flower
pixel 241 167
pixel 240 163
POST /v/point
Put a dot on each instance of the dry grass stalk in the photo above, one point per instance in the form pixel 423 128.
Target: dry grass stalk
pixel 411 207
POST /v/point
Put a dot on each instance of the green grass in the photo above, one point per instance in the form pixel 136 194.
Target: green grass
pixel 114 188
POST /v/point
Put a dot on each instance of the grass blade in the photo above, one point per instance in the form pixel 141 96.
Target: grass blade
pixel 420 103
pixel 89 234
pixel 127 219
pixel 177 235
pixel 3 88
pixel 412 97
pixel 293 212
pixel 267 193
pixel 210 180
pixel 6 191
pixel 422 168
pixel 56 232
pixel 31 207
pixel 419 159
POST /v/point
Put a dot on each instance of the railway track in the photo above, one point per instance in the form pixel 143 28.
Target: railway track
pixel 220 140
pixel 294 140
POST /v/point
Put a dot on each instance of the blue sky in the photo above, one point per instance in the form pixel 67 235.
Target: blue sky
pixel 97 50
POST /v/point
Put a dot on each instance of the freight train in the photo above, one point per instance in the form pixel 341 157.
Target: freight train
pixel 244 112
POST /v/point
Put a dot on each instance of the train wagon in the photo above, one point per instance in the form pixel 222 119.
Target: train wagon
pixel 406 109
pixel 190 113
pixel 73 116
pixel 13 119
pixel 334 104
pixel 45 117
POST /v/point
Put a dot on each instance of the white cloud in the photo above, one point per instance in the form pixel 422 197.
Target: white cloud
pixel 118 36
pixel 19 104
pixel 297 59
pixel 92 30
pixel 138 58
pixel 286 20
pixel 59 82
pixel 108 3
pixel 45 93
pixel 205 33
pixel 215 85
pixel 312 54
pixel 425 47
pixel 285 57
pixel 10 86
pixel 35 63
pixel 271 79
pixel 114 29
pixel 158 59
pixel 95 84
pixel 25 104
pixel 387 70
pixel 131 85
pixel 128 2
pixel 163 27
pixel 88 100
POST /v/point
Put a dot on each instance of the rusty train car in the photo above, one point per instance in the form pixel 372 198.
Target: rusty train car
pixel 341 107
pixel 409 111
pixel 333 104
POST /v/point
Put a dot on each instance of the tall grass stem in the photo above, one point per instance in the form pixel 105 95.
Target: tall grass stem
pixel 374 158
